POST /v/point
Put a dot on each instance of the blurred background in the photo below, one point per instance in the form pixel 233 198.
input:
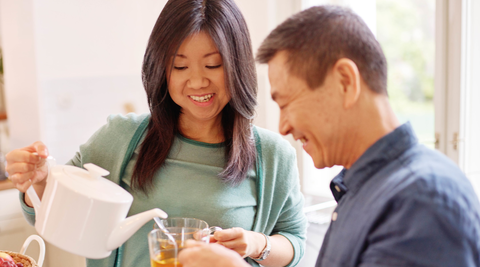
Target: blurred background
pixel 66 65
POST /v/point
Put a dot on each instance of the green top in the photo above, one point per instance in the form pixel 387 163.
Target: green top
pixel 268 201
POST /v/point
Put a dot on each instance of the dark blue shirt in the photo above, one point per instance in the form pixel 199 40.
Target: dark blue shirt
pixel 402 204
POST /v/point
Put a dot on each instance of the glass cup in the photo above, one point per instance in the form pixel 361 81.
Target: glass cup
pixel 165 246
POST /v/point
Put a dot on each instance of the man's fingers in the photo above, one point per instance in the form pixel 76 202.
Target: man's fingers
pixel 191 251
pixel 186 254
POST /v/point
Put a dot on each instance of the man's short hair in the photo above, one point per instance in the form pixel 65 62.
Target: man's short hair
pixel 318 37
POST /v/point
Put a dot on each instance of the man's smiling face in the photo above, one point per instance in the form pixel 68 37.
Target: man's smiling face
pixel 310 115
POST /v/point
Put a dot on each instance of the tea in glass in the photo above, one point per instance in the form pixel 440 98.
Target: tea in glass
pixel 165 246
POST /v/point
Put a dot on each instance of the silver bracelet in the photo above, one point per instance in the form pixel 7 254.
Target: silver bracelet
pixel 266 251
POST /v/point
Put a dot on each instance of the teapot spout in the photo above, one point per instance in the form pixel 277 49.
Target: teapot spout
pixel 126 228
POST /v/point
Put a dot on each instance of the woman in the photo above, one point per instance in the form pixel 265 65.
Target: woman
pixel 197 154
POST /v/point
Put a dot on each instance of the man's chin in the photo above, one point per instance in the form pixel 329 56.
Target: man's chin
pixel 319 164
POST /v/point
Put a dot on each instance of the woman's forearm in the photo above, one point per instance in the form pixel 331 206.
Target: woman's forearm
pixel 281 253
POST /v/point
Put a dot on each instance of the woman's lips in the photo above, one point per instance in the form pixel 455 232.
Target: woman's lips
pixel 203 100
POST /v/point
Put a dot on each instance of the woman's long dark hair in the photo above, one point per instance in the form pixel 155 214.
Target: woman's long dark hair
pixel 222 20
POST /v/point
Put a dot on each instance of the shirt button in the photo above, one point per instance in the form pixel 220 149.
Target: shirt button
pixel 334 216
pixel 337 188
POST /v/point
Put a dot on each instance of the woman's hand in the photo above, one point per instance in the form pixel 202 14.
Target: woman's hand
pixel 25 168
pixel 246 243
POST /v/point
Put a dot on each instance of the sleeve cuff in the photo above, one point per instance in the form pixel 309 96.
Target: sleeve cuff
pixel 28 212
pixel 298 248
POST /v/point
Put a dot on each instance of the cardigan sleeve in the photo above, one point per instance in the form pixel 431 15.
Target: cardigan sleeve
pixel 292 222
pixel 104 148
pixel 107 147
pixel 280 209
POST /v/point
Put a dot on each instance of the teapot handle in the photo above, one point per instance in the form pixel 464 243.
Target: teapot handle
pixel 40 241
pixel 34 198
pixel 31 192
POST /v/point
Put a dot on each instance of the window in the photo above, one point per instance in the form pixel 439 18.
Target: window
pixel 406 32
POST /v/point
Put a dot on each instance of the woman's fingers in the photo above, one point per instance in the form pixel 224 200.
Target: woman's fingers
pixel 20 167
pixel 23 186
pixel 21 156
pixel 37 147
pixel 237 245
pixel 22 181
pixel 41 149
pixel 228 234
pixel 26 166
pixel 212 239
pixel 234 239
pixel 20 178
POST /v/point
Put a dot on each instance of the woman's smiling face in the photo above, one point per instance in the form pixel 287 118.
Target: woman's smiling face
pixel 197 82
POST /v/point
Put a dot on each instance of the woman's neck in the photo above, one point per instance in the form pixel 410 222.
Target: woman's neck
pixel 210 131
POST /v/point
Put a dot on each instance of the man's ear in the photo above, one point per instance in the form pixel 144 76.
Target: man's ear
pixel 347 73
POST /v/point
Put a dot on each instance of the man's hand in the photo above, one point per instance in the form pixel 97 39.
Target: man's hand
pixel 198 254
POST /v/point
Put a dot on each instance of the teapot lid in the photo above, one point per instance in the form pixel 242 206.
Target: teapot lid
pixel 90 183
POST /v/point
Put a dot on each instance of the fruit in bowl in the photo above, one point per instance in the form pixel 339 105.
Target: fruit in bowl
pixel 7 261
pixel 5 257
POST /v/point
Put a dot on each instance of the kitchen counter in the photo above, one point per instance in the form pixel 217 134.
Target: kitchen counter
pixel 6 184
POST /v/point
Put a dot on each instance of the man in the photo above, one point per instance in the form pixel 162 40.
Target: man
pixel 399 203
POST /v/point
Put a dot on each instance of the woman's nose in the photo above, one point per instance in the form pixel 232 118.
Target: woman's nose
pixel 197 81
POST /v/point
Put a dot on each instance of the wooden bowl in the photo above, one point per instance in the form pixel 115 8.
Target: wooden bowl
pixel 20 258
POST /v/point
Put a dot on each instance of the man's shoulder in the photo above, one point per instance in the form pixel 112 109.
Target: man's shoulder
pixel 432 169
pixel 425 174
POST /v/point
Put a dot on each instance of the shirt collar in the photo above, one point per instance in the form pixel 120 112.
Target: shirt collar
pixel 386 149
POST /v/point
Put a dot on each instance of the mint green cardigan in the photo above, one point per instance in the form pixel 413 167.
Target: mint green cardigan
pixel 279 200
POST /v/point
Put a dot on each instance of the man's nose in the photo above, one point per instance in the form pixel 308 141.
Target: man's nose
pixel 197 80
pixel 284 127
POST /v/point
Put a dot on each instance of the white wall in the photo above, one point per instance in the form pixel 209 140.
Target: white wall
pixel 69 64
pixel 20 75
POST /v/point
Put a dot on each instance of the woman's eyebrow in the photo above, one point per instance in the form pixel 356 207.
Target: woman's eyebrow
pixel 210 54
pixel 206 55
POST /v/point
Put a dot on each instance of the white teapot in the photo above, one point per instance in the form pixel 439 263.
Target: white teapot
pixel 85 214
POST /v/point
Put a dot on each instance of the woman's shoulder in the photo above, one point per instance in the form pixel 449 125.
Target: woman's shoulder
pixel 109 144
pixel 273 143
pixel 126 122
pixel 118 129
